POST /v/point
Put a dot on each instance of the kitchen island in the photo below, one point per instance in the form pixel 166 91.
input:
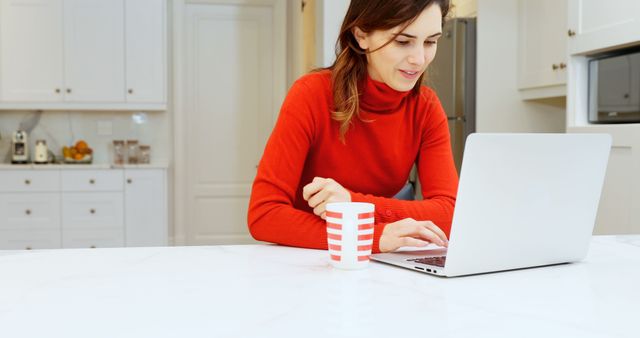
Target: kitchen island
pixel 276 291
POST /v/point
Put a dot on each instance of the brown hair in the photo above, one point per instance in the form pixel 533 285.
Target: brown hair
pixel 350 67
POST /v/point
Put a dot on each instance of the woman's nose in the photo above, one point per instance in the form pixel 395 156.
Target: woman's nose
pixel 417 56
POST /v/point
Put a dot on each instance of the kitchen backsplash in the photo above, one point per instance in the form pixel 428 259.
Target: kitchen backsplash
pixel 98 129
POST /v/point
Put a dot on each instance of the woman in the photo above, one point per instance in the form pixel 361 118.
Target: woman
pixel 353 131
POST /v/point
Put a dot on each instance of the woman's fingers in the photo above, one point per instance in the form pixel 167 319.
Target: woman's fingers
pixel 318 198
pixel 431 226
pixel 410 241
pixel 312 188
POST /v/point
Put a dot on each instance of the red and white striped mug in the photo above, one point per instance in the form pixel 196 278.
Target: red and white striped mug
pixel 350 234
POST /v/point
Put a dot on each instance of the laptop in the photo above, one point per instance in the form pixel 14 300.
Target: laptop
pixel 524 200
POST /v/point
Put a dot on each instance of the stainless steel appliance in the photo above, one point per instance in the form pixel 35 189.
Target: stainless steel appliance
pixel 452 74
pixel 614 88
pixel 19 147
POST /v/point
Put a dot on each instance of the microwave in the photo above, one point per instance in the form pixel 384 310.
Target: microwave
pixel 614 89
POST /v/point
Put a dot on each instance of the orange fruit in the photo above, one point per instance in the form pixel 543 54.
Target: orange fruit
pixel 81 146
pixel 78 156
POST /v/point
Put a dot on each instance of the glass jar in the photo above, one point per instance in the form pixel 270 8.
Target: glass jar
pixel 144 156
pixel 118 152
pixel 132 151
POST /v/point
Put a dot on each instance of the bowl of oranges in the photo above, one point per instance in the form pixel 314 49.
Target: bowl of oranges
pixel 80 152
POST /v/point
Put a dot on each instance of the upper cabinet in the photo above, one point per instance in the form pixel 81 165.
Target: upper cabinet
pixel 542 48
pixel 83 54
pixel 93 50
pixel 31 51
pixel 596 25
pixel 146 48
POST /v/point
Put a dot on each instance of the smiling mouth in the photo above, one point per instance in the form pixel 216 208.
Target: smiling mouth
pixel 409 74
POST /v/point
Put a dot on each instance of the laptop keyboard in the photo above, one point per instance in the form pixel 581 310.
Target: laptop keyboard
pixel 436 261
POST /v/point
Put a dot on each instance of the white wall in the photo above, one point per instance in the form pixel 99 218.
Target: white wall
pixel 499 107
pixel 330 14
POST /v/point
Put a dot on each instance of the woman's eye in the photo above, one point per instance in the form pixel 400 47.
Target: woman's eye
pixel 402 43
pixel 430 42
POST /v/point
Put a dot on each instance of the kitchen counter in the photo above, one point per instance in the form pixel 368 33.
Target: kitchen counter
pixel 92 166
pixel 275 291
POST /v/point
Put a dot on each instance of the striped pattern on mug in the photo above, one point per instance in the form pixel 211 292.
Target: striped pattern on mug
pixel 364 235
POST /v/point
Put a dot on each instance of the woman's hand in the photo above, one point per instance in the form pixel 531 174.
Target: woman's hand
pixel 409 232
pixel 322 191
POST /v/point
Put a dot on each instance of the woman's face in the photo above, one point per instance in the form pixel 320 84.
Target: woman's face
pixel 400 63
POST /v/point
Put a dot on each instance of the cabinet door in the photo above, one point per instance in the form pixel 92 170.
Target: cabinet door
pixel 146 50
pixel 596 24
pixel 145 207
pixel 542 43
pixel 31 57
pixel 94 50
pixel 92 219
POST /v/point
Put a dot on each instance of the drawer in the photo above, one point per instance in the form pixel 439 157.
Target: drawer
pixel 95 238
pixel 92 210
pixel 29 239
pixel 29 180
pixel 92 180
pixel 32 211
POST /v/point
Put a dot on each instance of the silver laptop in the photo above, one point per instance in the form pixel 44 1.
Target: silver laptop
pixel 524 200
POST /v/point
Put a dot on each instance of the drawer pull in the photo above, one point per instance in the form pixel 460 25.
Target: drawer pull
pixel 27 182
pixel 28 211
pixel 92 247
pixel 129 180
pixel 28 248
pixel 92 181
pixel 92 211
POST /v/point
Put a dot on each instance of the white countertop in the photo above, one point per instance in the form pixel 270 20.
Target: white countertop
pixel 274 291
pixel 92 166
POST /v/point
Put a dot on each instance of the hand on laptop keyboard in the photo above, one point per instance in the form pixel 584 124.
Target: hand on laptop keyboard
pixel 409 232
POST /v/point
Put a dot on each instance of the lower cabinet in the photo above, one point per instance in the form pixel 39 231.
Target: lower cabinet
pixel 83 208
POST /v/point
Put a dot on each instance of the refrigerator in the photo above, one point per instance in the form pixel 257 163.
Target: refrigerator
pixel 452 75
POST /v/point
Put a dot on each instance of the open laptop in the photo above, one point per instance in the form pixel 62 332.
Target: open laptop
pixel 524 200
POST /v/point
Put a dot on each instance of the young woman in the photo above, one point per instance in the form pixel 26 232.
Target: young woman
pixel 353 131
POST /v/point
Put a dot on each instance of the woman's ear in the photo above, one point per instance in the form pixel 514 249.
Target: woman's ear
pixel 361 37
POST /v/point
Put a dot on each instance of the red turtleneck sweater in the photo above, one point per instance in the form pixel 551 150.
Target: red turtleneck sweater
pixel 396 130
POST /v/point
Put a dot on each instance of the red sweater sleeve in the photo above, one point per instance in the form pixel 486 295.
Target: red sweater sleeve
pixel 436 171
pixel 272 216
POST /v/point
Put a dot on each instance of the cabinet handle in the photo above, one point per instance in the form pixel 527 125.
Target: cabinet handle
pixel 92 247
pixel 27 182
pixel 28 211
pixel 28 248
pixel 92 211
pixel 571 33
pixel 68 90
pixel 58 90
pixel 92 181
pixel 554 66
pixel 563 65
pixel 130 91
pixel 129 180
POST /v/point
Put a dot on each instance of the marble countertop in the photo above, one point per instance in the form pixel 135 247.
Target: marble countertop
pixel 275 291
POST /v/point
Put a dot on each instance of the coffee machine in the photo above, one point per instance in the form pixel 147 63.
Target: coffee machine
pixel 19 147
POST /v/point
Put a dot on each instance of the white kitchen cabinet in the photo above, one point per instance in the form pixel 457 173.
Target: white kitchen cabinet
pixel 83 54
pixel 93 219
pixel 145 194
pixel 94 50
pixel 33 49
pixel 596 25
pixel 83 208
pixel 145 41
pixel 542 48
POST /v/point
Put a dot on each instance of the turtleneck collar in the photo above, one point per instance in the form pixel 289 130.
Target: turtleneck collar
pixel 378 97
